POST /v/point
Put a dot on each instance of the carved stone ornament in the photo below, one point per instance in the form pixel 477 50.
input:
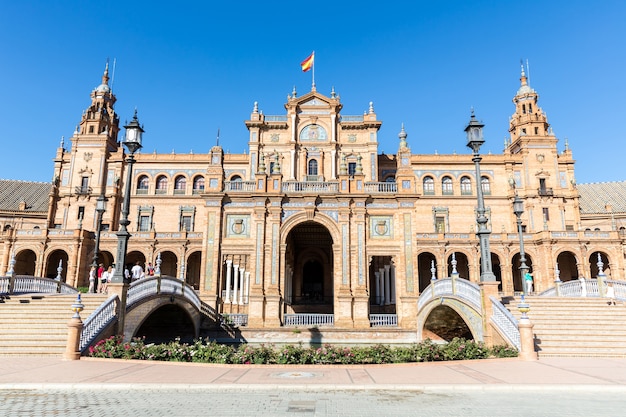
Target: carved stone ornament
pixel 87 156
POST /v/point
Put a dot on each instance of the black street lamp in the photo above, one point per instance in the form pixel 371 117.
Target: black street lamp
pixel 101 203
pixel 133 143
pixel 474 131
pixel 518 209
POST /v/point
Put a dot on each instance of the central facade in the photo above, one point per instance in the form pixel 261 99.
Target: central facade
pixel 312 219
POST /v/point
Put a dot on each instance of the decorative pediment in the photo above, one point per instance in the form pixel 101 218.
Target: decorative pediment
pixel 315 101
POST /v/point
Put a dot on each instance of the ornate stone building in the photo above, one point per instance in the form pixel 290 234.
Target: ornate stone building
pixel 313 218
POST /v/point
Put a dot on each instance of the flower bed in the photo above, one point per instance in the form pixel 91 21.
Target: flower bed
pixel 212 352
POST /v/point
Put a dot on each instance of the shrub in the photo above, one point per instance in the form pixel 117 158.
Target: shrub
pixel 211 352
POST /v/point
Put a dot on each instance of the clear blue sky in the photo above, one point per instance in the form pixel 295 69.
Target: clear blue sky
pixel 193 67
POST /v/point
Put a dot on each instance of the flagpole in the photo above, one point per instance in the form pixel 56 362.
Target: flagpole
pixel 313 73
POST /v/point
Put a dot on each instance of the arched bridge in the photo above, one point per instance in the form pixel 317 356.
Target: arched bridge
pixel 457 306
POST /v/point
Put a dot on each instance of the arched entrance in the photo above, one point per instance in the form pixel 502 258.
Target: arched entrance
pixel 567 264
pixel 105 258
pixel 25 262
pixel 516 273
pixel 593 264
pixel 56 258
pixel 132 258
pixel 192 276
pixel 462 265
pixel 309 269
pixel 424 264
pixel 169 264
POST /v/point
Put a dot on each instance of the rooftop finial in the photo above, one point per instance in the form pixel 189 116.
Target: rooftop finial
pixel 105 76
pixel 371 110
pixel 523 78
pixel 402 135
pixel 255 109
pixel 332 92
pixel 217 141
pixel 294 93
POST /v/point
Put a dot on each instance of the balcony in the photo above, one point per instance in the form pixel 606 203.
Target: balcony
pixel 83 190
pixel 545 192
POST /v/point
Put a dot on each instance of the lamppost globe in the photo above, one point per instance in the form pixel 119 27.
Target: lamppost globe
pixel 474 132
pixel 134 133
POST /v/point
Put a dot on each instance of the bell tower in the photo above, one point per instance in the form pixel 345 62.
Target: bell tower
pixel 99 123
pixel 529 124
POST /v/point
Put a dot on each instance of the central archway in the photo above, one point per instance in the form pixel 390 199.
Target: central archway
pixel 309 269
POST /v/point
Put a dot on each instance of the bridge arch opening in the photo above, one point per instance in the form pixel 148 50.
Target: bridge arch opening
pixel 165 324
pixel 517 273
pixel 444 324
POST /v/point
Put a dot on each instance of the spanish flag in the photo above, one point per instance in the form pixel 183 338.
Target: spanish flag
pixel 308 63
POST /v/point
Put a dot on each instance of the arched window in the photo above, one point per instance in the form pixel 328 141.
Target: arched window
pixel 446 186
pixel 312 167
pixel 429 186
pixel 466 186
pixel 236 183
pixel 142 185
pixel 180 185
pixel 484 183
pixel 161 185
pixel 198 184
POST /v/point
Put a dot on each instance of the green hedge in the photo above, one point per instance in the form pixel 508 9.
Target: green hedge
pixel 212 352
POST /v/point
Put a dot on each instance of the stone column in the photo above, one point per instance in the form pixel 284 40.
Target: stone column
pixel 377 282
pixel 228 272
pixel 242 277
pixel 74 330
pixel 235 283
pixel 527 341
pixel 392 280
pixel 387 286
pixel 488 289
pixel 247 291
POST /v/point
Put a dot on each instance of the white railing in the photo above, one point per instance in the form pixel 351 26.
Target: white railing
pixel 309 319
pixel 150 286
pixel 275 118
pixel 4 285
pixel 573 288
pixel 350 118
pixel 381 187
pixel 239 185
pixel 461 288
pixel 383 320
pixel 505 322
pixel 24 284
pixel 310 186
pixel 235 320
pixel 98 321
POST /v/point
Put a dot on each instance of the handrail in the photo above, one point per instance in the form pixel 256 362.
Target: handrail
pixel 306 319
pixel 506 324
pixel 25 284
pixel 161 285
pixel 458 287
pixel 574 288
pixel 97 321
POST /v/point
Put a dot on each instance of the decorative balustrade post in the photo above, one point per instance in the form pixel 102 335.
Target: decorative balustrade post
pixel 58 277
pixel 601 277
pixel 455 274
pixel 157 272
pixel 557 280
pixel 11 273
pixel 74 330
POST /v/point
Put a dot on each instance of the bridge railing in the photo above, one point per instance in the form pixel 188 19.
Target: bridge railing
pixel 161 285
pixel 574 288
pixel 25 284
pixel 505 323
pixel 459 287
pixel 98 321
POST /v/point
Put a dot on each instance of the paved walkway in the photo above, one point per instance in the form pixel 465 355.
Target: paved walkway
pixel 494 374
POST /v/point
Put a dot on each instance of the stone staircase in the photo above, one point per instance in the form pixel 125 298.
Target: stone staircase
pixel 575 326
pixel 36 324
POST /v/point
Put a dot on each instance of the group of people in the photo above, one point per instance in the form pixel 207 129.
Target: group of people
pixel 100 277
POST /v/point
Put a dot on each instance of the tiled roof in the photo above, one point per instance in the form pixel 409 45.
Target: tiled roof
pixel 594 197
pixel 35 194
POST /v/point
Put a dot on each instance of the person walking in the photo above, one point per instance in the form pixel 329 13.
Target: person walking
pixel 610 294
pixel 528 279
pixel 583 286
pixel 99 277
pixel 136 272
pixel 106 279
pixel 92 279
